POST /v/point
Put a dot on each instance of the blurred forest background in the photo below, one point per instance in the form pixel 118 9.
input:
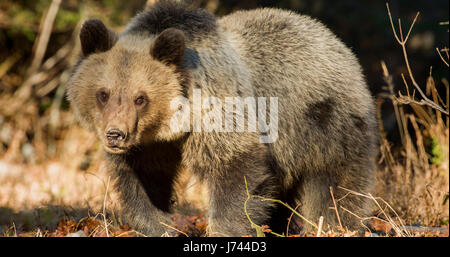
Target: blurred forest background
pixel 51 177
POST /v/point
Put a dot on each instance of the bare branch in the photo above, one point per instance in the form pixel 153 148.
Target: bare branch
pixel 412 25
pixel 402 42
pixel 44 36
pixel 392 24
pixel 336 209
pixel 319 230
pixel 442 58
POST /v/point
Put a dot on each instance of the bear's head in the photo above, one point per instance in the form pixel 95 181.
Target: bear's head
pixel 122 86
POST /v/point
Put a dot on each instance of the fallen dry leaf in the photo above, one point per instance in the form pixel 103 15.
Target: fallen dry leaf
pixel 380 226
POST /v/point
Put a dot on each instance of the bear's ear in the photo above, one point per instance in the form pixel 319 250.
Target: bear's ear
pixel 95 37
pixel 169 47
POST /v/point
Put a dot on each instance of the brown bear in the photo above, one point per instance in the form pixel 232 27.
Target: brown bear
pixel 325 132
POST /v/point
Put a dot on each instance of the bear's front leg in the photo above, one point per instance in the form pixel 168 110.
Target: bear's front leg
pixel 145 203
pixel 228 194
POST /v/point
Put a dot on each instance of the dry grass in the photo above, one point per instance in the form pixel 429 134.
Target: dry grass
pixel 42 194
pixel 415 177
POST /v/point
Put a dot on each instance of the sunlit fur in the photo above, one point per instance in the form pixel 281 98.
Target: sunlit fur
pixel 327 124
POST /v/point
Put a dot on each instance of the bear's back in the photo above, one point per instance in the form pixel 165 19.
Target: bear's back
pixel 323 99
pixel 197 24
pixel 278 44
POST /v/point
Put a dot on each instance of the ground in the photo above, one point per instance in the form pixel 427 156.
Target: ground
pixel 73 193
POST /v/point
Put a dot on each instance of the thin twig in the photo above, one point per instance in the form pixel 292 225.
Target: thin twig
pixel 402 42
pixel 48 87
pixel 174 228
pixel 390 220
pixel 15 231
pixel 289 207
pixel 390 83
pixel 361 219
pixel 319 230
pixel 442 58
pixel 336 209
pixel 259 232
pixel 104 206
pixel 290 218
pixel 9 63
pixel 126 233
pixel 44 36
pixel 258 228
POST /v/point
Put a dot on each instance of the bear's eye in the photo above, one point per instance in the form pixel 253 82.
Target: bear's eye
pixel 102 96
pixel 140 101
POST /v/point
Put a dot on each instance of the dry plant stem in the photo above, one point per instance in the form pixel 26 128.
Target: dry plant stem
pixel 442 58
pixel 54 121
pixel 104 206
pixel 436 97
pixel 447 93
pixel 139 233
pixel 125 233
pixel 414 229
pixel 282 203
pixel 290 218
pixel 47 88
pixel 409 229
pixel 60 55
pixel 9 63
pixel 402 41
pixel 258 229
pixel 289 207
pixel 385 150
pixel 319 230
pixel 97 229
pixel 44 36
pixel 419 143
pixel 362 219
pixel 179 231
pixel 390 83
pixel 336 209
pixel 398 229
pixel 130 232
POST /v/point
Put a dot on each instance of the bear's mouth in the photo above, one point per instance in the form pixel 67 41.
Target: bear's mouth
pixel 116 149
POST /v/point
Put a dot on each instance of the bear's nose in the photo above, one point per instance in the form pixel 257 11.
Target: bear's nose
pixel 115 136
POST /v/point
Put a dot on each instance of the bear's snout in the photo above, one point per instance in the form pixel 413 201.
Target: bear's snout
pixel 115 137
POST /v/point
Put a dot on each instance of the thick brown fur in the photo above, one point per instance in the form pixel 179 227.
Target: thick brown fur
pixel 327 126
